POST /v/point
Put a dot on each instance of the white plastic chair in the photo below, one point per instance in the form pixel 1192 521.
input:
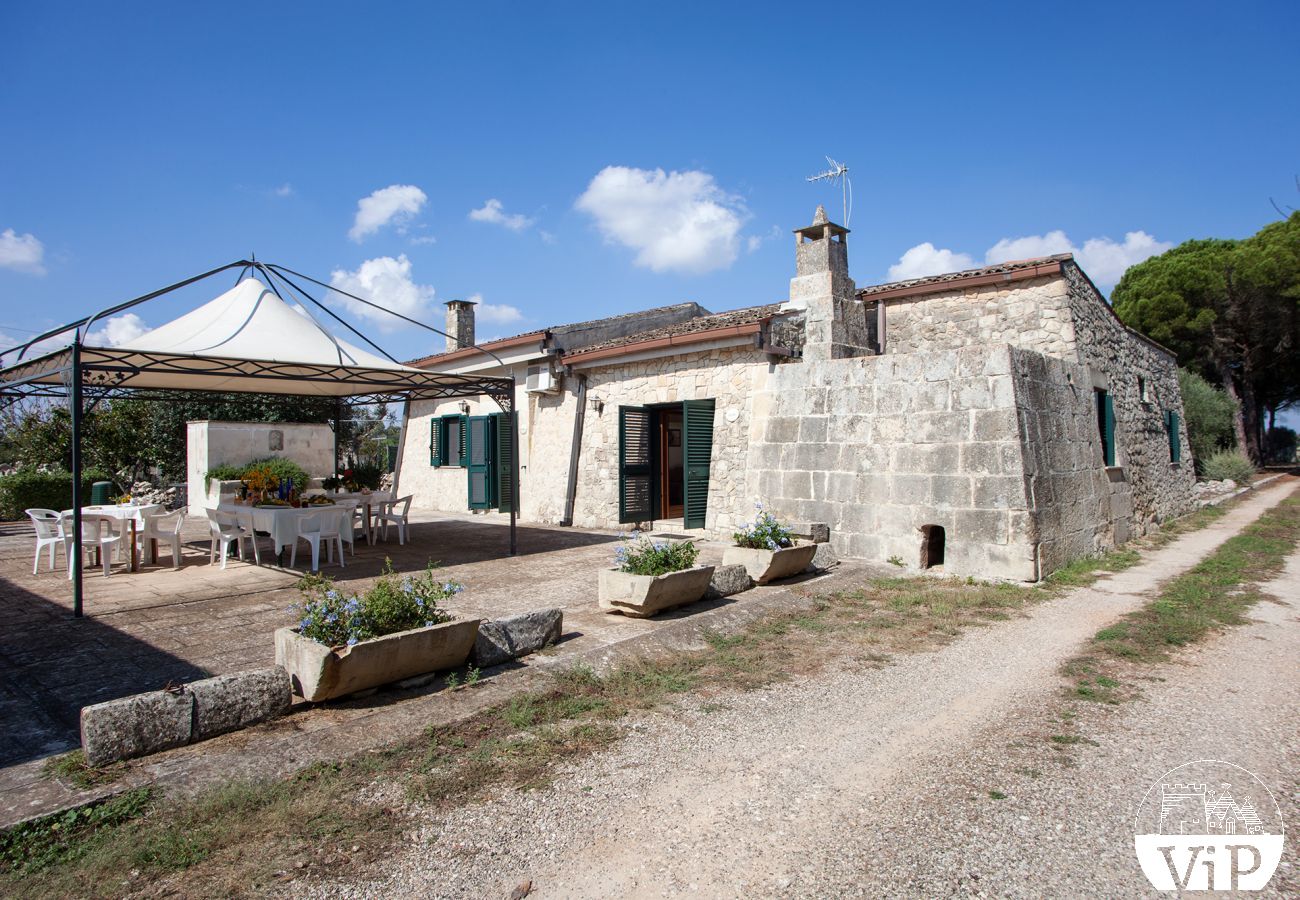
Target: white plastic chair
pixel 387 512
pixel 317 528
pixel 48 534
pixel 224 528
pixel 165 527
pixel 352 513
pixel 97 532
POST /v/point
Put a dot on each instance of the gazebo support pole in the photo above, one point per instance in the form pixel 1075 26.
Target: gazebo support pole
pixel 76 412
pixel 514 466
pixel 338 422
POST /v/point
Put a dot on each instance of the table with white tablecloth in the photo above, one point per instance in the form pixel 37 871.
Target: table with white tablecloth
pixel 368 499
pixel 281 522
pixel 132 513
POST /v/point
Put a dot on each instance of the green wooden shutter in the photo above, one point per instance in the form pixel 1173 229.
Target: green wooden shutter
pixel 505 473
pixel 459 452
pixel 635 464
pixel 697 442
pixel 478 461
pixel 435 441
pixel 1175 436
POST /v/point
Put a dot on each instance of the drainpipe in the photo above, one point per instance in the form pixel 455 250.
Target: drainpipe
pixel 579 417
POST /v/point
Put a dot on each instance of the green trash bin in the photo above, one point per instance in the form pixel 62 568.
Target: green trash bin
pixel 99 493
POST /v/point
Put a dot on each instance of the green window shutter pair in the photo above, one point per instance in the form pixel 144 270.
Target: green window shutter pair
pixel 1175 436
pixel 445 430
pixel 637 480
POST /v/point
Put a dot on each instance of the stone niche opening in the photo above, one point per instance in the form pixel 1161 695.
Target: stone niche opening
pixel 933 539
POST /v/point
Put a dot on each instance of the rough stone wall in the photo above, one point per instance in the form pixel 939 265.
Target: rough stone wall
pixel 1034 314
pixel 731 377
pixel 1116 358
pixel 878 447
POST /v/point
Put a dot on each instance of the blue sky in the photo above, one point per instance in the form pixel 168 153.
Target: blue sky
pixel 638 155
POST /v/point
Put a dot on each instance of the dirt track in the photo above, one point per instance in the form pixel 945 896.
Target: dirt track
pixel 883 782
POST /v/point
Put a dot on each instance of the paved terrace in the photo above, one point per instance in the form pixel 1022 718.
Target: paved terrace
pixel 144 630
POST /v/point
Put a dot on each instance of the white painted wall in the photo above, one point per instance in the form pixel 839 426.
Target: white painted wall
pixel 210 444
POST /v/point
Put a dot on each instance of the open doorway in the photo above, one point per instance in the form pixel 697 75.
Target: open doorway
pixel 672 472
pixel 932 546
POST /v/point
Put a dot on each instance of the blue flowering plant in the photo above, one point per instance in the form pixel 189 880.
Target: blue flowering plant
pixel 639 555
pixel 393 603
pixel 764 533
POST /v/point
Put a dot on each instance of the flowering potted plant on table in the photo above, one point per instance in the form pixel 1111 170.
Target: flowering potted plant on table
pixel 766 549
pixel 346 643
pixel 652 576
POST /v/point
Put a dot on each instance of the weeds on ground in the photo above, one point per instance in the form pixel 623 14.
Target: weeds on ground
pixel 1215 593
pixel 72 768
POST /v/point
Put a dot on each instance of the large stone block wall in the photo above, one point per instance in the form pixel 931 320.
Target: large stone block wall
pixel 1070 492
pixel 1116 358
pixel 878 447
pixel 1033 314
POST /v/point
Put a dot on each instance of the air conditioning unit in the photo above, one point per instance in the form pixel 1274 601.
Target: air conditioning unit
pixel 541 380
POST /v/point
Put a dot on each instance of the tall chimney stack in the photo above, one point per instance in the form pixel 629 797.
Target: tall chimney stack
pixel 460 324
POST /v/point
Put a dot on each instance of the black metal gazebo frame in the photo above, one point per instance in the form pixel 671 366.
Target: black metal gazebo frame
pixel 79 373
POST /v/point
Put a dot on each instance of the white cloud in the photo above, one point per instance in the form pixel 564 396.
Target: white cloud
pixel 387 282
pixel 284 190
pixel 1049 244
pixel 421 240
pixel 1106 261
pixel 394 205
pixel 492 211
pixel 546 236
pixel 926 259
pixel 117 331
pixel 495 313
pixel 676 221
pixel 21 252
pixel 1102 258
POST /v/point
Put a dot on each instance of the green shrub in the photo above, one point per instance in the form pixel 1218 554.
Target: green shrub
pixel 278 466
pixel 1229 464
pixel 642 556
pixel 766 533
pixel 367 476
pixel 393 604
pixel 1209 412
pixel 44 490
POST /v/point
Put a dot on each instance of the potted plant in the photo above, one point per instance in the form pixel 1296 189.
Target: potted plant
pixel 652 576
pixel 766 549
pixel 346 643
pixel 332 483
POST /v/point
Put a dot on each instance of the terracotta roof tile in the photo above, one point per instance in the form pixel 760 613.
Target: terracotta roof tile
pixel 939 280
pixel 744 316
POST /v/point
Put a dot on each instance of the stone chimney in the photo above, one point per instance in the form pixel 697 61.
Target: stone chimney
pixel 834 318
pixel 460 324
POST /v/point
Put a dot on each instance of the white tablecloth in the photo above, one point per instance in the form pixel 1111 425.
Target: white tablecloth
pixel 121 513
pixel 281 522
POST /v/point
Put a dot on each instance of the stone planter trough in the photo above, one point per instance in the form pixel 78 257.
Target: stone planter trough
pixel 319 673
pixel 770 565
pixel 641 596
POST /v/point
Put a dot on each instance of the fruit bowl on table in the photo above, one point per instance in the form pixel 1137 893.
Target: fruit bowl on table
pixel 319 501
pixel 273 504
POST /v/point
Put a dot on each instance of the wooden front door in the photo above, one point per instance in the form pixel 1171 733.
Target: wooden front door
pixel 672 482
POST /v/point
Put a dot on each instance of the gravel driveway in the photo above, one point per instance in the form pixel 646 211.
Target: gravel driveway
pixel 881 782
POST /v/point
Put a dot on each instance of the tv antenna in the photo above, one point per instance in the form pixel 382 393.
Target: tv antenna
pixel 840 171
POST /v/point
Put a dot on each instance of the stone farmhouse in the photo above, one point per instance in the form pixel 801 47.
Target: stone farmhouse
pixel 997 422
